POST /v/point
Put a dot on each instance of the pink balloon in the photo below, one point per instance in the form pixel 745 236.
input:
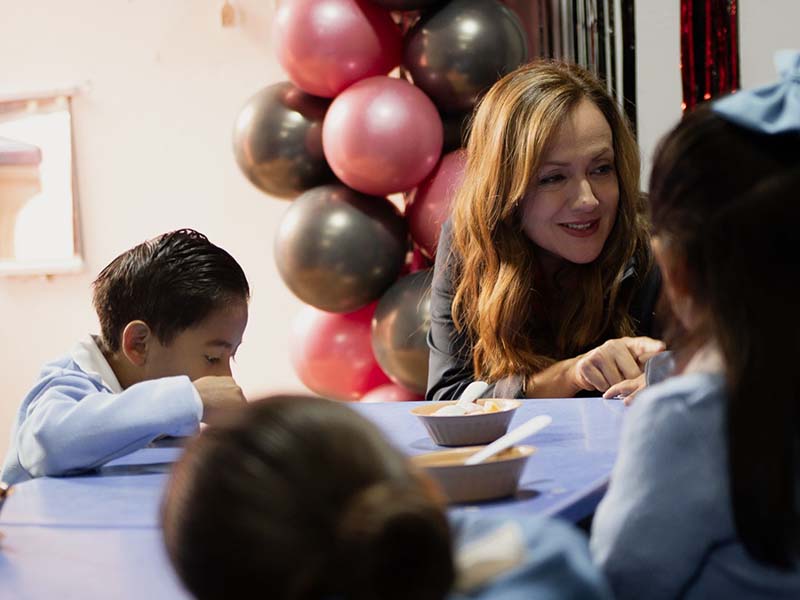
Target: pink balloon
pixel 382 135
pixel 391 392
pixel 332 353
pixel 327 45
pixel 429 204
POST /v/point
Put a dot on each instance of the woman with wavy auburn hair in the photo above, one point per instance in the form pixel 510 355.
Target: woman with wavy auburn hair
pixel 543 274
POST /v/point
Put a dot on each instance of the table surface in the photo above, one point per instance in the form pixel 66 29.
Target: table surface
pixel 566 476
pixel 78 529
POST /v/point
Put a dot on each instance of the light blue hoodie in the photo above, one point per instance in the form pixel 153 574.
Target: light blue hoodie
pixel 665 527
pixel 77 416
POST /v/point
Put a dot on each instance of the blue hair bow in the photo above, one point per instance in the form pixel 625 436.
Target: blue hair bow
pixel 769 109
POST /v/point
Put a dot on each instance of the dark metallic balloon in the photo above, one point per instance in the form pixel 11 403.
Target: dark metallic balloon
pixel 455 131
pixel 457 52
pixel 338 250
pixel 277 140
pixel 407 4
pixel 399 330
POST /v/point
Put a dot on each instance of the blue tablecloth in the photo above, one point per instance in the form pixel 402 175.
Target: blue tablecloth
pixel 97 535
pixel 567 475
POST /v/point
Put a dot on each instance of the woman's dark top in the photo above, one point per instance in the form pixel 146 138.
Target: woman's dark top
pixel 450 359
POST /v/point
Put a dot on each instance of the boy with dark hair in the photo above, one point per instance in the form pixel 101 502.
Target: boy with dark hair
pixel 172 313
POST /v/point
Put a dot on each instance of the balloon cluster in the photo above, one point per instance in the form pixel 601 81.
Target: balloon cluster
pixel 376 102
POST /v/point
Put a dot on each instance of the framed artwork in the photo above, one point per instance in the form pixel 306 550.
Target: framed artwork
pixel 39 225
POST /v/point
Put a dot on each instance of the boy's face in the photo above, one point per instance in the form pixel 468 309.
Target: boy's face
pixel 205 349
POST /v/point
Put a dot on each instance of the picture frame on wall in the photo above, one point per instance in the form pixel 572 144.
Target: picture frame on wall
pixel 39 216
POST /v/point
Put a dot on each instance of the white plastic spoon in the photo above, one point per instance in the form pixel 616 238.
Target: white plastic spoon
pixel 471 393
pixel 465 403
pixel 527 429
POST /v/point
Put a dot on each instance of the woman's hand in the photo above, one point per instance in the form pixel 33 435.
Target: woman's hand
pixel 616 366
pixel 626 390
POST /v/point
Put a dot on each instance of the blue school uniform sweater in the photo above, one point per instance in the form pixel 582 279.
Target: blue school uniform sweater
pixel 77 417
pixel 665 527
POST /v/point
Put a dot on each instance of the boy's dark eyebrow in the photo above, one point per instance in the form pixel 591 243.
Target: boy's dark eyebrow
pixel 222 343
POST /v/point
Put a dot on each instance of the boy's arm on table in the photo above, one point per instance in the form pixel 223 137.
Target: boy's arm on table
pixel 71 425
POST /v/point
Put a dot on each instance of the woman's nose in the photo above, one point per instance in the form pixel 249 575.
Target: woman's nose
pixel 584 199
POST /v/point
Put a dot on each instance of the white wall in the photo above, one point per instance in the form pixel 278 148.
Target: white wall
pixel 153 142
pixel 658 74
pixel 765 26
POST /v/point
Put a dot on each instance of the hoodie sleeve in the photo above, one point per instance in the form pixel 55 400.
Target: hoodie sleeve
pixel 73 425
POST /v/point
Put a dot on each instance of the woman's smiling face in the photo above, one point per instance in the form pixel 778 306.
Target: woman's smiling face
pixel 571 204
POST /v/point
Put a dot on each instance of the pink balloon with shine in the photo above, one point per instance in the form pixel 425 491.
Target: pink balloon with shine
pixel 382 135
pixel 332 353
pixel 326 45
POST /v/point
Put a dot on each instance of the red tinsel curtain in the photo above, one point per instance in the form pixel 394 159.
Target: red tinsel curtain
pixel 709 49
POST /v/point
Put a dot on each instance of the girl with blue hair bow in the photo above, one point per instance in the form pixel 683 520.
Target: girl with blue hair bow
pixel 704 500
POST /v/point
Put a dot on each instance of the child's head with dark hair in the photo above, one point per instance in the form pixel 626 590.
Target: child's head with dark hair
pixel 171 282
pixel 301 498
pixel 177 304
pixel 699 168
pixel 725 206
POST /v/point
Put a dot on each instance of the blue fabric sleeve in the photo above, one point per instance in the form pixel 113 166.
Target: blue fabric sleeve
pixel 556 566
pixel 71 426
pixel 662 507
pixel 659 367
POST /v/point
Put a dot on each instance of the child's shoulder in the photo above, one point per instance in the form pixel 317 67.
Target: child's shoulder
pixel 74 369
pixel 83 362
pixel 65 371
pixel 682 409
pixel 691 391
pixel 63 366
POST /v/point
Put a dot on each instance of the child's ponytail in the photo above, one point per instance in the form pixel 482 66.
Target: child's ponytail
pixel 753 292
pixel 394 543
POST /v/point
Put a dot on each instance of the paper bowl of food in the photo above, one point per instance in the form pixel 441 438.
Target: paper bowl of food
pixel 449 426
pixel 496 477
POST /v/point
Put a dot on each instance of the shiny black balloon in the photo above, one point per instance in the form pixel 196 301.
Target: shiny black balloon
pixel 400 328
pixel 455 131
pixel 456 53
pixel 277 140
pixel 338 250
pixel 407 4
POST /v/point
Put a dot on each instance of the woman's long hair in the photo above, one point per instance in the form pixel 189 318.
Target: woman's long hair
pixel 725 201
pixel 500 297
